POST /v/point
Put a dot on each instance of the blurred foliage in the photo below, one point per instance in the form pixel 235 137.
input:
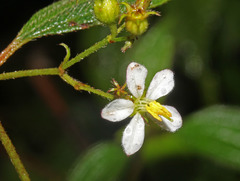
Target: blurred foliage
pixel 214 132
pixel 54 133
pixel 99 163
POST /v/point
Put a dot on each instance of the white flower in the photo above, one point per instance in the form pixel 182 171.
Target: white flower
pixel 166 116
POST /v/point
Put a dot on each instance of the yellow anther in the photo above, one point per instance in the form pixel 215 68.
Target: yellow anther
pixel 157 110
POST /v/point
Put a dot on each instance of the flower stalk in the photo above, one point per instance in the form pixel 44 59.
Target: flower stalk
pixel 81 86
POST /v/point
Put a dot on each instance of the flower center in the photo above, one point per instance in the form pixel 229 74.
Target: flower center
pixel 140 105
pixel 157 110
pixel 152 107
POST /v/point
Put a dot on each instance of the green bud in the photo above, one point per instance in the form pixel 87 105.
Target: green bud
pixel 136 17
pixel 136 26
pixel 106 11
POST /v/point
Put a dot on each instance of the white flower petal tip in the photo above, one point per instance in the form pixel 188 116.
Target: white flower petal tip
pixel 117 110
pixel 136 75
pixel 176 122
pixel 133 135
pixel 161 84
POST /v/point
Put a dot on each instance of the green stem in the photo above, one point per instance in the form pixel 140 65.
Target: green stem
pixel 119 39
pixel 94 48
pixel 87 52
pixel 113 29
pixel 81 86
pixel 23 175
pixel 29 73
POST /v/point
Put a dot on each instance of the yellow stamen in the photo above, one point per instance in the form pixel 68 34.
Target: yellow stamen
pixel 157 110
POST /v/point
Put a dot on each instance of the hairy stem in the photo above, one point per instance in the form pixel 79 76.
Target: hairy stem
pixel 11 48
pixel 113 29
pixel 23 175
pixel 81 86
pixel 29 73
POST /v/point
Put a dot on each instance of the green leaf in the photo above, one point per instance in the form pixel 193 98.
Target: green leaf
pixel 215 132
pixel 105 162
pixel 60 17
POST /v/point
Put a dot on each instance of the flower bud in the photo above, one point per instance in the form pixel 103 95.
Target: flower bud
pixel 136 17
pixel 106 11
pixel 136 26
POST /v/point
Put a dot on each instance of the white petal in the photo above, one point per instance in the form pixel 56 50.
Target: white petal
pixel 136 75
pixel 117 110
pixel 161 84
pixel 133 135
pixel 174 125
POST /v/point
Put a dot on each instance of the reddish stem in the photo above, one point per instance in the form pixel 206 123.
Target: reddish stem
pixel 11 48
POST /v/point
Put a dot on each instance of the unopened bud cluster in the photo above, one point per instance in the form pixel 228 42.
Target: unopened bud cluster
pixel 108 11
pixel 136 17
pixel 136 23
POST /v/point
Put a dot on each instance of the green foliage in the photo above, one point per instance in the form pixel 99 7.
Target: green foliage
pixel 215 133
pixel 163 146
pixel 156 3
pixel 105 162
pixel 62 17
